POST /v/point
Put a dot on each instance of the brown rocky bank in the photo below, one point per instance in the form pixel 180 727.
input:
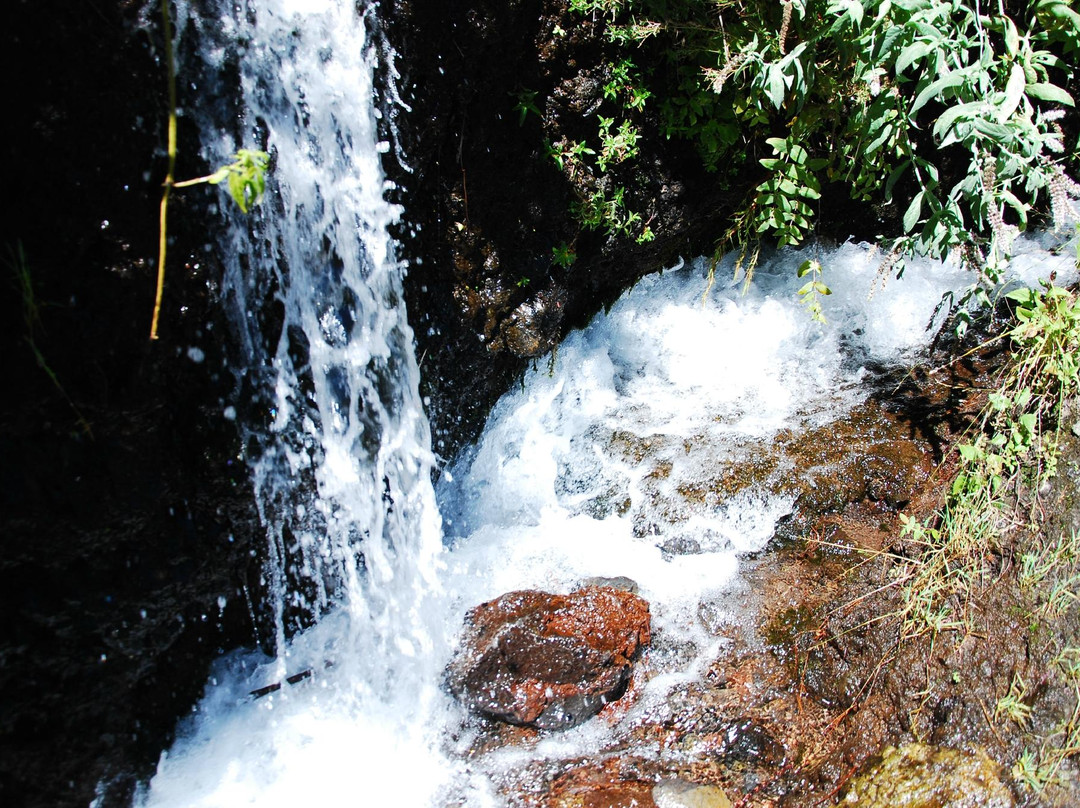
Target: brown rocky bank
pixel 820 699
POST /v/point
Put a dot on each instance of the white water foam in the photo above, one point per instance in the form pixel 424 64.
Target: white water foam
pixel 334 430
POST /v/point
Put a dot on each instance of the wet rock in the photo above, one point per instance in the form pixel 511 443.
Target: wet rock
pixel 679 546
pixel 550 661
pixel 747 741
pixel 680 793
pixel 599 787
pixel 532 329
pixel 923 776
pixel 618 582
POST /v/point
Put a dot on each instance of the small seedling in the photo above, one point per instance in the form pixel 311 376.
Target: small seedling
pixel 246 175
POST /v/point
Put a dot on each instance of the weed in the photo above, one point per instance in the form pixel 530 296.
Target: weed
pixel 813 290
pixel 568 155
pixel 951 111
pixel 525 102
pixel 616 146
pixel 246 175
pixel 563 255
pixel 1013 705
pixel 598 211
pixel 32 325
pixel 1015 447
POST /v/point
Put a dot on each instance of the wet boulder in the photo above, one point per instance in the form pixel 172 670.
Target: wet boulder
pixel 549 661
pixel 614 783
pixel 924 776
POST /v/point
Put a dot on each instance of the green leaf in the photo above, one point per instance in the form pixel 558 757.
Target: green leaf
pixel 1012 38
pixel 994 131
pixel 777 87
pixel 1051 93
pixel 936 88
pixel 951 115
pixel 911 54
pixel 969 452
pixel 911 216
pixel 1014 91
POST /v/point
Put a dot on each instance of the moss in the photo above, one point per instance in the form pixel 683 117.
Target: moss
pixel 920 776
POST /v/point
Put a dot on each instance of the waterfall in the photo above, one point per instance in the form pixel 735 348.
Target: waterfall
pixel 334 428
pixel 328 406
pixel 593 467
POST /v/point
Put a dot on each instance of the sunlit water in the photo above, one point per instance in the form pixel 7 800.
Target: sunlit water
pixel 577 474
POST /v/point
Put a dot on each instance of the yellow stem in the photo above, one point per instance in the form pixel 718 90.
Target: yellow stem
pixel 169 181
pixel 196 181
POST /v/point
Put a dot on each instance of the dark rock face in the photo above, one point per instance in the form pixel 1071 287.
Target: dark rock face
pixel 490 204
pixel 126 521
pixel 549 661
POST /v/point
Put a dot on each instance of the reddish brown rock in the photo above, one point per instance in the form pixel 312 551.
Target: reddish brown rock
pixel 550 661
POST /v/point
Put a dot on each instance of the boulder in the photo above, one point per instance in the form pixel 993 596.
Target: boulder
pixel 549 661
pixel 614 783
pixel 922 776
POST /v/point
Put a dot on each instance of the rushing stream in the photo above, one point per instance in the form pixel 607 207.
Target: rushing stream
pixel 580 472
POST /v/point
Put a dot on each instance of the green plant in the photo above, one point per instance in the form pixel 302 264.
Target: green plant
pixel 525 102
pixel 1013 450
pixel 1013 705
pixel 811 292
pixel 782 202
pixel 616 146
pixel 1038 768
pixel 946 110
pixel 568 155
pixel 563 255
pixel 598 211
pixel 17 262
pixel 245 176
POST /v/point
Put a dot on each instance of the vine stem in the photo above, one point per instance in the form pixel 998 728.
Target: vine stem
pixel 167 186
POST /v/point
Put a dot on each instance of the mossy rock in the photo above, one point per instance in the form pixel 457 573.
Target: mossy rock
pixel 921 776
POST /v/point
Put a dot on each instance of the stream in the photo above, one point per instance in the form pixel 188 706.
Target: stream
pixel 642 448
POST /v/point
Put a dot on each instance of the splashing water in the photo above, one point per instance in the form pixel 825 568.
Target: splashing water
pixel 337 440
pixel 581 472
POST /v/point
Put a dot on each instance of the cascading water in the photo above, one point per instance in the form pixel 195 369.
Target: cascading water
pixel 316 291
pixel 582 472
pixel 335 432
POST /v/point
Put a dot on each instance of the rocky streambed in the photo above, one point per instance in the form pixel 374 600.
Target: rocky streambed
pixel 819 699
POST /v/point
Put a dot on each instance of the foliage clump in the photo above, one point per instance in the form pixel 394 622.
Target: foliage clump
pixel 946 110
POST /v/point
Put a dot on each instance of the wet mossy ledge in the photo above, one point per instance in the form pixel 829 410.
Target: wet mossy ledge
pixel 486 207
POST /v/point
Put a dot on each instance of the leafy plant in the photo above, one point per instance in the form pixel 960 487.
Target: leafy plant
pixel 569 155
pixel 616 146
pixel 525 103
pixel 1013 705
pixel 1014 448
pixel 813 290
pixel 245 176
pixel 599 211
pixel 563 255
pixel 948 110
pixel 782 202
